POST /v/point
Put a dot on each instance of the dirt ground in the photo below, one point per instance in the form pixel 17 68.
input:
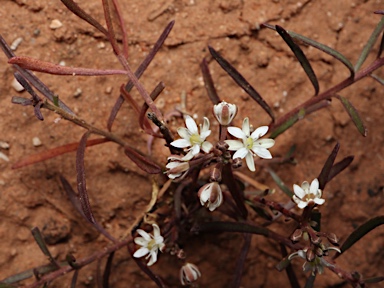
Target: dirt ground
pixel 32 196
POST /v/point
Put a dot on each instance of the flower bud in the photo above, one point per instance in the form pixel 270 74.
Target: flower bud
pixel 310 255
pixel 189 273
pixel 210 195
pixel 176 167
pixel 224 112
pixel 333 238
pixel 297 235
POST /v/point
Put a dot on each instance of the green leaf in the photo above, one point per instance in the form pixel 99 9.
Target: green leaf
pixel 360 232
pixel 280 183
pixel 352 112
pixel 326 49
pixel 377 78
pixel 43 247
pixel 300 56
pixel 371 41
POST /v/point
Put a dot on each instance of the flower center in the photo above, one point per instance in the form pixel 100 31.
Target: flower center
pixel 249 143
pixel 151 244
pixel 309 197
pixel 195 139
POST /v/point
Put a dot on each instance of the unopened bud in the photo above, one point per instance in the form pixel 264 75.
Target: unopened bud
pixel 189 273
pixel 211 195
pixel 297 235
pixel 333 239
pixel 319 252
pixel 314 238
pixel 237 163
pixel 224 112
pixel 310 255
pixel 215 175
pixel 176 166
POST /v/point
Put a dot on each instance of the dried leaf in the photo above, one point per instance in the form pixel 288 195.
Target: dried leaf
pixel 241 81
pixel 208 82
pixel 352 112
pixel 326 171
pixel 337 55
pixel 368 46
pixel 141 161
pixel 300 56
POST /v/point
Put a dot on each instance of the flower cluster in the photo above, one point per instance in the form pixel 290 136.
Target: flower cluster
pixel 150 244
pixel 307 194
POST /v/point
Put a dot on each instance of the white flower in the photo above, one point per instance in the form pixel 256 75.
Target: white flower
pixel 306 194
pixel 189 273
pixel 210 195
pixel 150 244
pixel 224 112
pixel 176 166
pixel 251 144
pixel 191 138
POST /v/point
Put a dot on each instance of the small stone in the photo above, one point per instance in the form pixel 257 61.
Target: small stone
pixel 36 141
pixel 62 63
pixel 2 182
pixel 17 86
pixel 13 252
pixel 77 93
pixel 4 157
pixel 55 24
pixel 108 90
pixel 101 45
pixel 4 145
pixel 16 43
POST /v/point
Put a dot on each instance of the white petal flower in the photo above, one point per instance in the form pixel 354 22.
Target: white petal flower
pixel 250 144
pixel 189 273
pixel 191 138
pixel 224 112
pixel 177 167
pixel 150 244
pixel 306 194
pixel 211 195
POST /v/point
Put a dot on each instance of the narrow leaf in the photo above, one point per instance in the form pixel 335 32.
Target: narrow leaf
pixel 241 261
pixel 43 246
pixel 21 101
pixel 360 232
pixel 374 279
pixel 107 271
pixel 27 87
pixel 289 269
pixel 52 153
pixel 75 9
pixel 216 226
pixel 51 68
pixel 140 70
pixel 352 112
pixel 381 48
pixel 74 278
pixel 326 171
pixel 300 56
pixel 208 82
pixel 368 46
pixel 326 49
pixel 141 161
pixel 339 166
pixel 241 81
pixel 310 281
pixel 377 78
pixel 81 183
pixel 280 183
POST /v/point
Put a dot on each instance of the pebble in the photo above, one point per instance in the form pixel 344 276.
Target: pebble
pixel 55 24
pixel 17 86
pixel 108 90
pixel 4 157
pixel 77 93
pixel 4 145
pixel 36 141
pixel 16 43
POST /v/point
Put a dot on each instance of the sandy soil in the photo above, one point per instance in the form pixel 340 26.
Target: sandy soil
pixel 32 196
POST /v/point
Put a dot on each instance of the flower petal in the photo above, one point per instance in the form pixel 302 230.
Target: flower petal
pixel 299 192
pixel 305 187
pixel 259 132
pixel 143 234
pixel 262 152
pixel 140 241
pixel 205 134
pixel 195 149
pixel 250 162
pixel 156 230
pixel 184 133
pixel 245 126
pixel 237 132
pixel 302 204
pixel 265 143
pixel 241 153
pixel 191 124
pixel 234 145
pixel 206 146
pixel 181 143
pixel 153 258
pixel 314 187
pixel 141 252
pixel 188 157
pixel 319 201
pixel 205 126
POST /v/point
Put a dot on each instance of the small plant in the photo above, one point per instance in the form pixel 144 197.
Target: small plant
pixel 203 172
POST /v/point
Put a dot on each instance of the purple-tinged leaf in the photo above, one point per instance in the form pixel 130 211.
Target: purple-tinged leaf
pixel 310 281
pixel 326 49
pixel 75 9
pixel 289 269
pixel 381 48
pixel 37 111
pixel 208 82
pixel 164 131
pixel 141 161
pixel 81 183
pixel 352 112
pixel 300 56
pixel 140 70
pixel 124 33
pixel 74 278
pixel 368 46
pixel 107 270
pixel 143 121
pixel 360 232
pixel 43 247
pixel 111 32
pixel 374 279
pixel 55 69
pixel 326 171
pixel 241 260
pixel 339 166
pixel 241 81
